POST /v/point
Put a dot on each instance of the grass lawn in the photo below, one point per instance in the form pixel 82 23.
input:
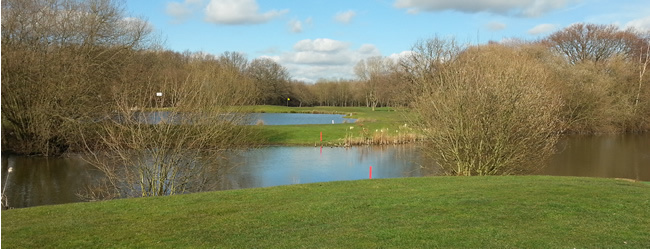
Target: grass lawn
pixel 432 212
pixel 369 123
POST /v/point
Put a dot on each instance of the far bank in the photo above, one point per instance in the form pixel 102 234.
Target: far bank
pixel 383 126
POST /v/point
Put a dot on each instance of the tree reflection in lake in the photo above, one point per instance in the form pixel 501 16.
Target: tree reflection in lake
pixel 35 181
pixel 619 156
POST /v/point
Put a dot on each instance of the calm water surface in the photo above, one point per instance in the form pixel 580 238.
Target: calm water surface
pixel 155 117
pixel 272 166
pixel 39 181
pixel 610 156
pixel 298 118
pixel 35 181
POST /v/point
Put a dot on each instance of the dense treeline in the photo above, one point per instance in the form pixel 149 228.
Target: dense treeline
pixel 379 83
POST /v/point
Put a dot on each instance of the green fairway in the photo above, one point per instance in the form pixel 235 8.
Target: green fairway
pixel 434 212
pixel 387 123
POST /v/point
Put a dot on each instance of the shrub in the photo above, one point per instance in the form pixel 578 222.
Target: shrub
pixel 489 110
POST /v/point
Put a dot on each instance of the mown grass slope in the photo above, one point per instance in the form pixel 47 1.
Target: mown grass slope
pixel 433 212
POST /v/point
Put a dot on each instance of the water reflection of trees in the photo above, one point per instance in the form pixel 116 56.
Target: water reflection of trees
pixel 622 155
pixel 37 181
pixel 405 158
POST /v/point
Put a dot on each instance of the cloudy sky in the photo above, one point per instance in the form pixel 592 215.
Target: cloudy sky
pixel 325 38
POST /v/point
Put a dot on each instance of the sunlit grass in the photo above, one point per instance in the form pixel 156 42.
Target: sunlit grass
pixel 435 212
pixel 364 125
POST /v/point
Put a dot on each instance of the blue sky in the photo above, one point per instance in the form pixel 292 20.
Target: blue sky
pixel 325 38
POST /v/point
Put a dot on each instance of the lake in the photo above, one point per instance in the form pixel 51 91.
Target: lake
pixel 155 117
pixel 297 118
pixel 37 181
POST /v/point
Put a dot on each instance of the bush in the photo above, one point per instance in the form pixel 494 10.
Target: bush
pixel 600 98
pixel 489 110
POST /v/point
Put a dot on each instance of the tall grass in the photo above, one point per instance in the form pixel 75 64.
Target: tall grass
pixel 382 136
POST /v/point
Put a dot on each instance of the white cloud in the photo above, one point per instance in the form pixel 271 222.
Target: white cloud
pixel 369 49
pixel 323 58
pixel 526 8
pixel 401 55
pixel 320 45
pixel 318 58
pixel 238 12
pixel 542 29
pixel 512 41
pixel 345 16
pixel 296 26
pixel 496 26
pixel 134 23
pixel 180 11
pixel 641 24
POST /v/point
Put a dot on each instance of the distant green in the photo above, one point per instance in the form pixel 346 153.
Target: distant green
pixel 430 212
pixel 389 119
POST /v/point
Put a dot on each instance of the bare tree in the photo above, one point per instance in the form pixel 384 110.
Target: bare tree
pixel 271 79
pixel 59 60
pixel 601 86
pixel 236 60
pixel 302 94
pixel 372 72
pixel 592 42
pixel 643 65
pixel 422 66
pixel 489 110
pixel 174 145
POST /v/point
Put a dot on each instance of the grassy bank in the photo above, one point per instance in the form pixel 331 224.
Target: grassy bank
pixel 384 125
pixel 437 212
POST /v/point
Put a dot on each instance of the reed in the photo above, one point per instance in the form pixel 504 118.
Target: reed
pixel 381 137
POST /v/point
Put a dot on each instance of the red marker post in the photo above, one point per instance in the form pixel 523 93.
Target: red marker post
pixel 370 172
pixel 321 136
